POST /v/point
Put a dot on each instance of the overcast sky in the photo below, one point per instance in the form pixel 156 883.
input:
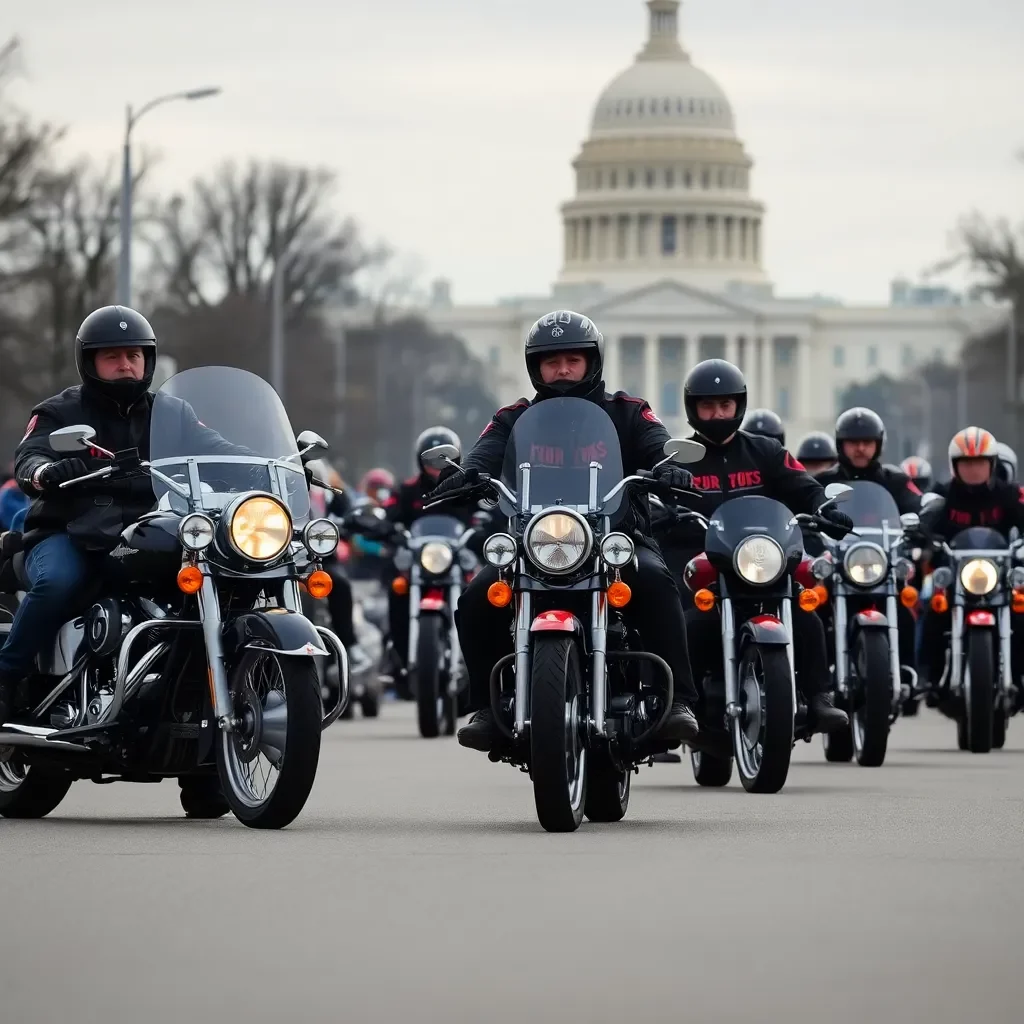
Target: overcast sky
pixel 452 123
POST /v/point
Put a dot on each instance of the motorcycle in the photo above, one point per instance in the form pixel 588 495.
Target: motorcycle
pixel 753 551
pixel 982 587
pixel 575 714
pixel 864 575
pixel 192 658
pixel 433 564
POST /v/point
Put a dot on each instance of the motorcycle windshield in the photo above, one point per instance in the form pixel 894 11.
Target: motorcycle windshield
pixel 872 509
pixel 558 439
pixel 437 526
pixel 979 538
pixel 736 519
pixel 218 431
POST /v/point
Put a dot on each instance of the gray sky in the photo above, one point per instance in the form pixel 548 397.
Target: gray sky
pixel 873 124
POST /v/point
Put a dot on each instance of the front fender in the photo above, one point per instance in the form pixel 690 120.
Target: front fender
pixel 869 618
pixel 281 631
pixel 765 631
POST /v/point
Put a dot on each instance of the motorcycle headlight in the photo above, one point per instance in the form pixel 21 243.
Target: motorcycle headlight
pixel 196 532
pixel 500 550
pixel 321 537
pixel 759 559
pixel 436 557
pixel 261 528
pixel 865 564
pixel 617 550
pixel 979 576
pixel 558 541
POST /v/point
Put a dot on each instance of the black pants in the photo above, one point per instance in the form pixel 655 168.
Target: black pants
pixel 654 611
pixel 704 637
pixel 398 624
pixel 339 602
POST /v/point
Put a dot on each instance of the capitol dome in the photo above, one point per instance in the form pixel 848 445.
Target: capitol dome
pixel 662 182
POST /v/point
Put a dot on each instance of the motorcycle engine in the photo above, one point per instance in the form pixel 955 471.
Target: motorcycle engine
pixel 104 626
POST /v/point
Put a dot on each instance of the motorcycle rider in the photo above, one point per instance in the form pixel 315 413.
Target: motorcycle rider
pixel 919 471
pixel 975 496
pixel 736 464
pixel 860 436
pixel 1006 463
pixel 565 358
pixel 765 423
pixel 378 485
pixel 817 453
pixel 67 532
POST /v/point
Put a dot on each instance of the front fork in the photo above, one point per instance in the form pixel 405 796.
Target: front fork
pixel 892 614
pixel 523 622
pixel 733 708
pixel 209 616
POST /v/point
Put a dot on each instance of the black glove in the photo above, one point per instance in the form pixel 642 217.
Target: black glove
pixel 455 481
pixel 840 520
pixel 673 475
pixel 57 473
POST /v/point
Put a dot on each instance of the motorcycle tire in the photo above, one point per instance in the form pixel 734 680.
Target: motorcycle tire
pixel 429 655
pixel 713 772
pixel 558 754
pixel 607 790
pixel 370 703
pixel 28 791
pixel 201 797
pixel 979 690
pixel 869 716
pixel 838 746
pixel 763 734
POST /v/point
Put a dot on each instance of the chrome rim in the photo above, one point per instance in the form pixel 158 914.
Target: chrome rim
pixel 255 750
pixel 13 773
pixel 575 753
pixel 749 726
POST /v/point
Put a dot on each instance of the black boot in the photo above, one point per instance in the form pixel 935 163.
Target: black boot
pixel 481 733
pixel 680 725
pixel 825 716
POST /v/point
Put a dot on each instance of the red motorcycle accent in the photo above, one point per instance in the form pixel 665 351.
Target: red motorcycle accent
pixel 804 576
pixel 432 601
pixel 871 615
pixel 767 620
pixel 554 622
pixel 343 550
pixel 699 574
pixel 980 617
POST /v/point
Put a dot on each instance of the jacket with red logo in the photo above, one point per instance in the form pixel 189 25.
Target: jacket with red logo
pixel 999 507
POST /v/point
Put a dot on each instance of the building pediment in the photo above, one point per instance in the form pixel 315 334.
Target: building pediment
pixel 669 299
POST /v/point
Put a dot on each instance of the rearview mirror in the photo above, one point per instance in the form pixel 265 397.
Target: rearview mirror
pixel 684 449
pixel 930 499
pixel 310 441
pixel 441 456
pixel 910 520
pixel 838 492
pixel 72 439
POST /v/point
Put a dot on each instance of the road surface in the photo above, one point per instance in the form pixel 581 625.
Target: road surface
pixel 417 886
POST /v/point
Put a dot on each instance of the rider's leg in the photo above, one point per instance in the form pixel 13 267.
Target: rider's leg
pixel 812 677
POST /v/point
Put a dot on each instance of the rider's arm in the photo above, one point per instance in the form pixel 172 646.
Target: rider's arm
pixel 787 481
pixel 34 451
pixel 905 493
pixel 648 437
pixel 934 521
pixel 488 454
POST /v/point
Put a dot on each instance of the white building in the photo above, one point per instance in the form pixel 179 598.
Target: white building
pixel 663 250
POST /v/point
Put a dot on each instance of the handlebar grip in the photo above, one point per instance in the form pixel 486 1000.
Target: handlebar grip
pixel 106 471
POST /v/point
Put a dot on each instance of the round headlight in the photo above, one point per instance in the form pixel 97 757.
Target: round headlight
pixel 979 576
pixel 436 557
pixel 321 537
pixel 865 564
pixel 196 532
pixel 759 559
pixel 261 528
pixel 617 550
pixel 557 541
pixel 500 550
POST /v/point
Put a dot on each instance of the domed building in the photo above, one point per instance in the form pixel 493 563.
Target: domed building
pixel 663 248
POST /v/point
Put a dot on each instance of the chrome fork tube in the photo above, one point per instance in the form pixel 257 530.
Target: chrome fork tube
pixel 454 650
pixel 787 620
pixel 414 620
pixel 839 628
pixel 599 666
pixel 732 704
pixel 291 595
pixel 209 615
pixel 892 614
pixel 522 661
pixel 1005 651
pixel 956 647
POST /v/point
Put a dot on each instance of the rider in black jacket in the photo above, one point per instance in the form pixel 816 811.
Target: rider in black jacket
pixel 860 435
pixel 565 358
pixel 738 464
pixel 765 423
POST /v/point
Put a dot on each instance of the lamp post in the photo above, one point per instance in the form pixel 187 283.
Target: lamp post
pixel 124 266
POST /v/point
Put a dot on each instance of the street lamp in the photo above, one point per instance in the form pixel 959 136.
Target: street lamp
pixel 124 267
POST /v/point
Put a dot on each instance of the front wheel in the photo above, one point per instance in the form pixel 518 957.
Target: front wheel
pixel 762 734
pixel 869 721
pixel 267 764
pixel 558 754
pixel 979 691
pixel 710 771
pixel 430 701
pixel 28 792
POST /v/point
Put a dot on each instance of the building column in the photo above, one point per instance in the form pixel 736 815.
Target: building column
pixel 651 371
pixel 751 370
pixel 732 349
pixel 767 348
pixel 612 371
pixel 803 412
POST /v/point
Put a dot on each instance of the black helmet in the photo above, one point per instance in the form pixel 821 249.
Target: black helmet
pixel 715 378
pixel 115 327
pixel 765 423
pixel 859 424
pixel 431 438
pixel 817 447
pixel 565 331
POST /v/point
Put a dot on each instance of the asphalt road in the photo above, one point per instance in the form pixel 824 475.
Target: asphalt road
pixel 417 886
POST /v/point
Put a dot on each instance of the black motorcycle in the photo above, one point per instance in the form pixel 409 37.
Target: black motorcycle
pixel 752 550
pixel 575 713
pixel 191 658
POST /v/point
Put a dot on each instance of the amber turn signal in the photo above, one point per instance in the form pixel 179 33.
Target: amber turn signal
pixel 400 586
pixel 822 591
pixel 1018 601
pixel 939 602
pixel 908 597
pixel 319 584
pixel 190 579
pixel 619 594
pixel 704 600
pixel 499 594
pixel 809 600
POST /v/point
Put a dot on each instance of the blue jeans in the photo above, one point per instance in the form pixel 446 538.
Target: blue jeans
pixel 58 571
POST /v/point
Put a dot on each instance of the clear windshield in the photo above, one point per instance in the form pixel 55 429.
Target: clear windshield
pixel 218 431
pixel 559 438
pixel 437 526
pixel 872 509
